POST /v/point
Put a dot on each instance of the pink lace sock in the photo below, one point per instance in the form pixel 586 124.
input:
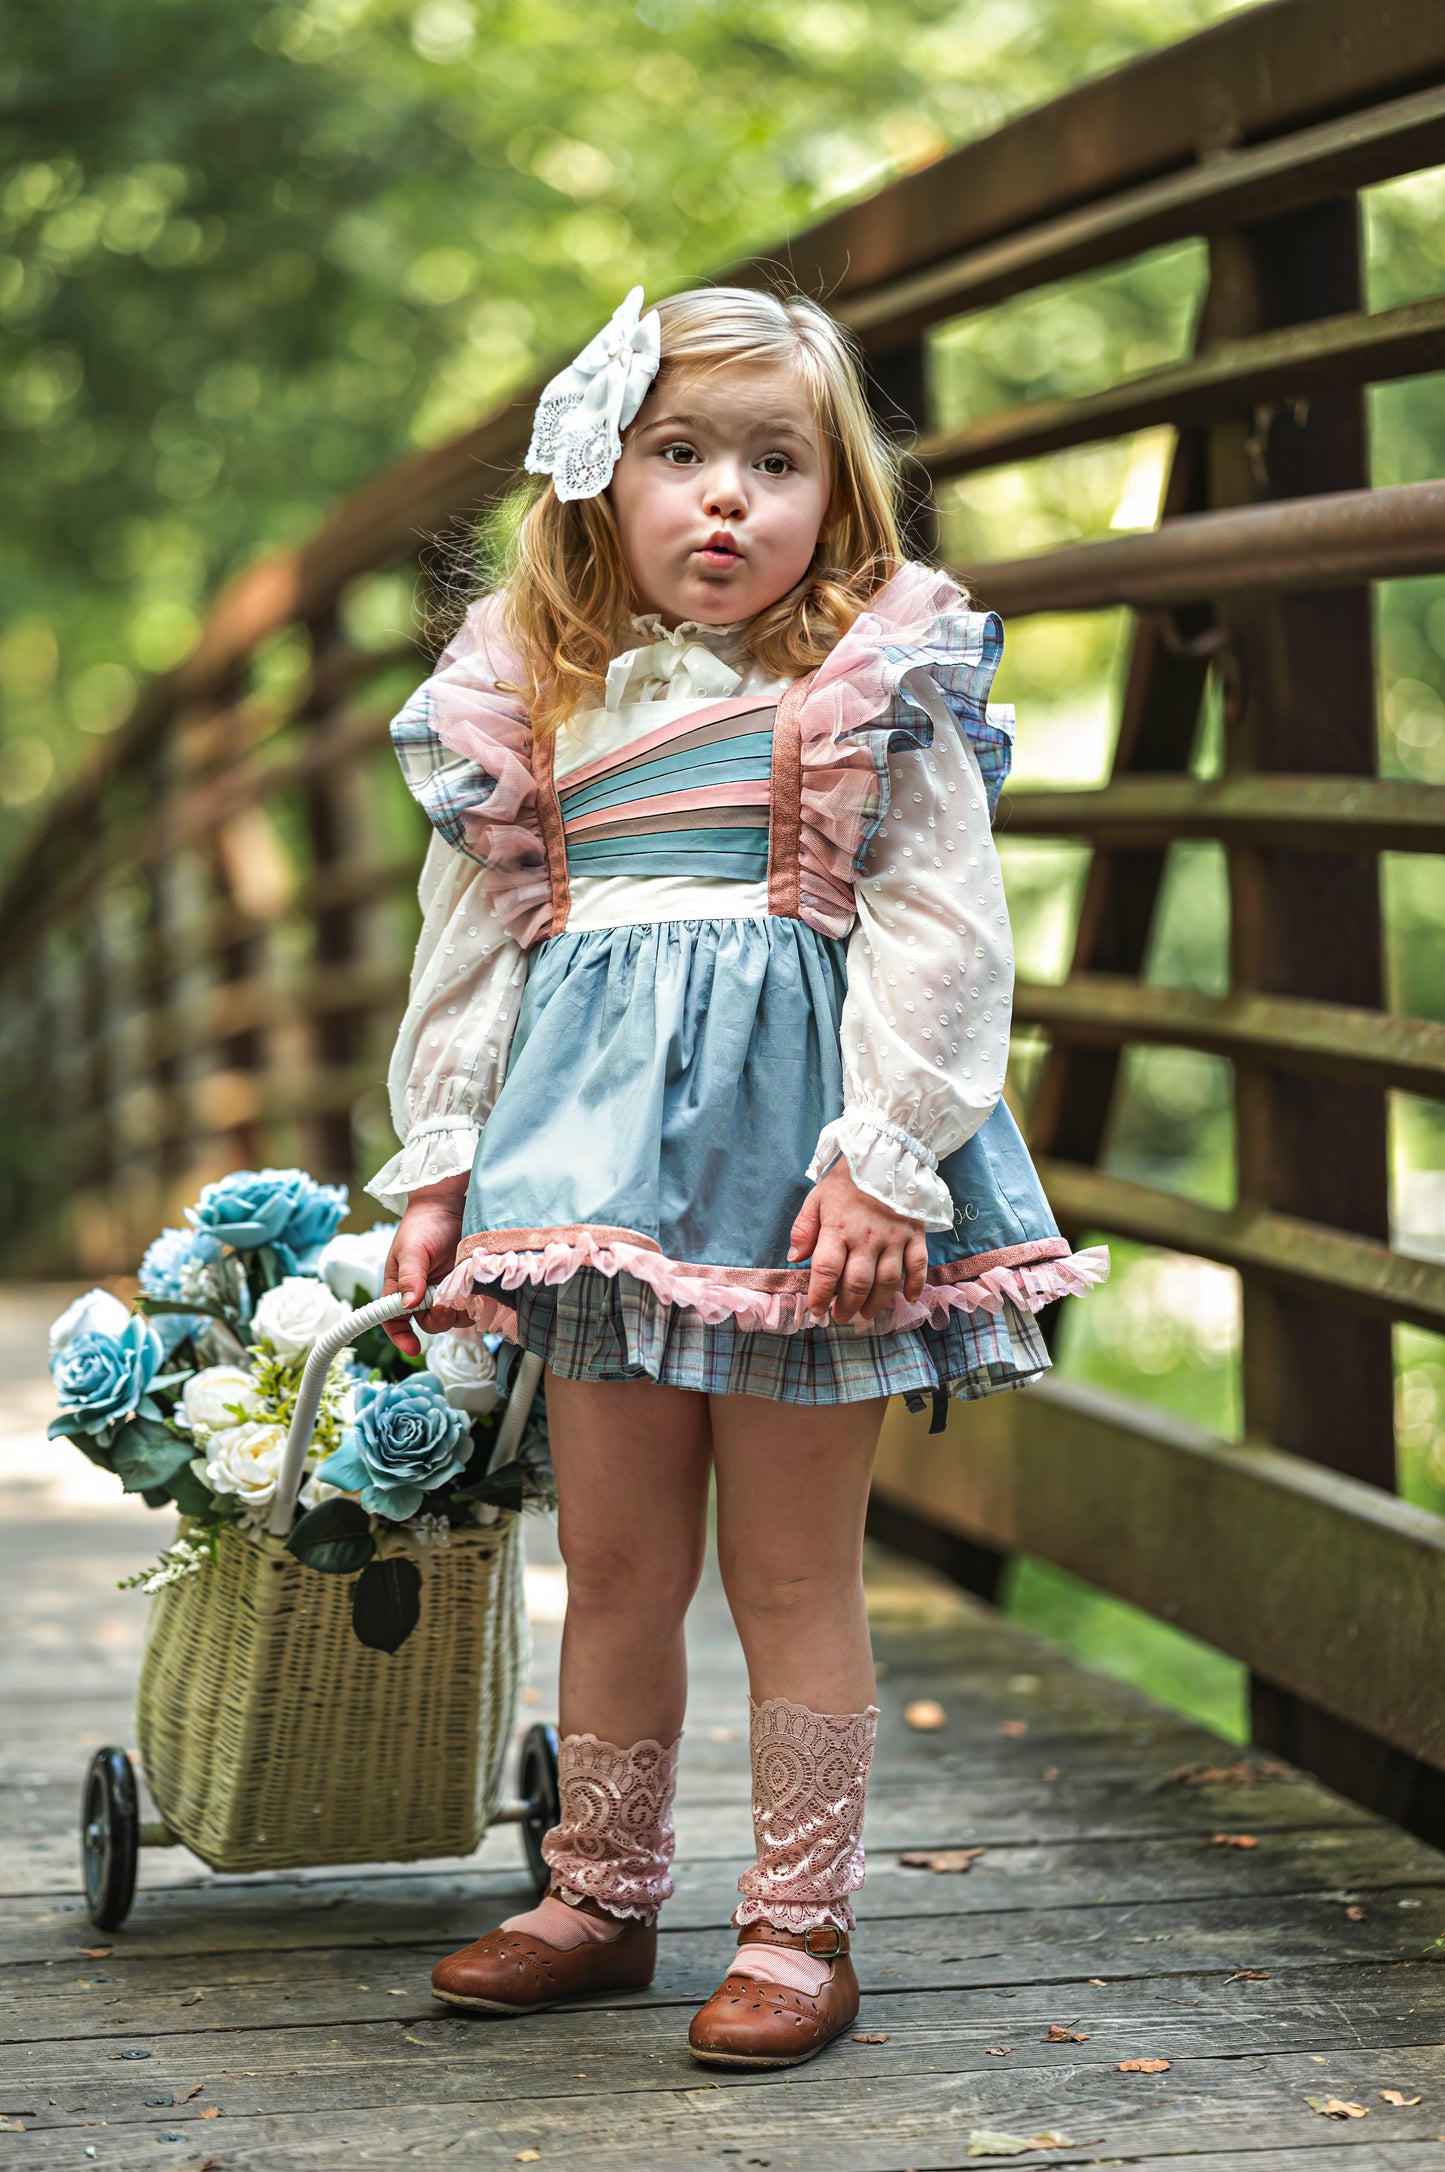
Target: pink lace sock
pixel 613 1842
pixel 810 1780
pixel 562 1927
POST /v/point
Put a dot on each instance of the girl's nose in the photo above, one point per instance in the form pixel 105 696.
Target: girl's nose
pixel 724 497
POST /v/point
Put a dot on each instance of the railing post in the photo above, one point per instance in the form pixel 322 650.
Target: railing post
pixel 1299 696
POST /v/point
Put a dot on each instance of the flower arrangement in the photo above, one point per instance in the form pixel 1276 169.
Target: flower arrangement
pixel 188 1398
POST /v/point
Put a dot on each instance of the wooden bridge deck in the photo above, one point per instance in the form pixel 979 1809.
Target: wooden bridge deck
pixel 285 2021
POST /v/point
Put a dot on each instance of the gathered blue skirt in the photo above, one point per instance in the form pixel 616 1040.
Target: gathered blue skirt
pixel 665 1091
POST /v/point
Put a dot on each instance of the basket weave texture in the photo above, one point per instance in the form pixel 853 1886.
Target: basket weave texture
pixel 271 1737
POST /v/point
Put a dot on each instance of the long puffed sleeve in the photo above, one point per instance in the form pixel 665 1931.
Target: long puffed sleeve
pixel 930 981
pixel 456 1033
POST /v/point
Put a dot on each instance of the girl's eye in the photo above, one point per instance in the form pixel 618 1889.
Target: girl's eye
pixel 688 454
pixel 775 463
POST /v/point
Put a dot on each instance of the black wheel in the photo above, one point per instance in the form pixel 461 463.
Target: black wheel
pixel 109 1838
pixel 537 1785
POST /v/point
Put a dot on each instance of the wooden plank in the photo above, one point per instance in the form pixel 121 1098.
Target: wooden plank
pixel 1236 188
pixel 847 2110
pixel 1246 1547
pixel 1266 70
pixel 1295 1254
pixel 1332 1040
pixel 1321 542
pixel 1233 376
pixel 1306 813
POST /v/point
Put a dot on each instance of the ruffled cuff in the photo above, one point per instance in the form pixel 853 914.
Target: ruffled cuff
pixel 888 1163
pixel 438 1147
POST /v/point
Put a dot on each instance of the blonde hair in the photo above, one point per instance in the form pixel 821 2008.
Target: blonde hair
pixel 566 590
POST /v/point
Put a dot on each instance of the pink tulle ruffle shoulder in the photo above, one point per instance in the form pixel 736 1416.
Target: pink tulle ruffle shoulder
pixel 478 712
pixel 844 764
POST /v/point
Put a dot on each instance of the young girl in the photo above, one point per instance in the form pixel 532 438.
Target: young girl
pixel 700 1087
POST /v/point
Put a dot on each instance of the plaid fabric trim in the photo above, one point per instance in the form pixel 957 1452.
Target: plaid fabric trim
pixel 603 1327
pixel 445 785
pixel 962 660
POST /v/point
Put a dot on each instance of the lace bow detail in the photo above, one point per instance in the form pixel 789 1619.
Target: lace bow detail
pixel 577 429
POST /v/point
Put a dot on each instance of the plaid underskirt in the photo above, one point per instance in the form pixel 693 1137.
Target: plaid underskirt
pixel 604 1327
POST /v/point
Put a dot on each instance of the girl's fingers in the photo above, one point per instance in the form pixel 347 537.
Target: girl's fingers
pixel 856 1281
pixel 803 1236
pixel 915 1268
pixel 830 1255
pixel 887 1279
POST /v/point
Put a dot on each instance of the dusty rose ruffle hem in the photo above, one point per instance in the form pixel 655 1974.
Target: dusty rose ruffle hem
pixel 771 1312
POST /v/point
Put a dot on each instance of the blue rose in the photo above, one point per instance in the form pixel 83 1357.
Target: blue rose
pixel 163 1268
pixel 100 1378
pixel 407 1440
pixel 284 1208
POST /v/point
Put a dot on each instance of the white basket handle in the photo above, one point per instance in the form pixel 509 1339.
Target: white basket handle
pixel 313 1380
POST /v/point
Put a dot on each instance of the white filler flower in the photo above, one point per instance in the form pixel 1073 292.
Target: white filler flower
pixel 467 1371
pixel 97 1313
pixel 206 1395
pixel 245 1460
pixel 295 1314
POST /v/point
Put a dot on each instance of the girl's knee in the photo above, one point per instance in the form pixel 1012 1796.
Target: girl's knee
pixel 787 1591
pixel 618 1579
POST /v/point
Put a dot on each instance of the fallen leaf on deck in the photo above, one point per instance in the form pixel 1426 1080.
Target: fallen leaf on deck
pixel 1394 2096
pixel 984 2142
pixel 1356 1914
pixel 413 2040
pixel 1252 1975
pixel 1051 1772
pixel 882 2038
pixel 942 1859
pixel 213 2113
pixel 1058 2035
pixel 1143 2066
pixel 1101 1981
pixel 925 1714
pixel 1336 2108
pixel 529 2156
pixel 1247 1773
pixel 1014 1727
pixel 999 2051
pixel 96 1953
pixel 183 2096
pixel 193 1998
pixel 1234 1840
pixel 12 2126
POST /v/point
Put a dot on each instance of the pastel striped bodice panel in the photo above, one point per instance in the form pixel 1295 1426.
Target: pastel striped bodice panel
pixel 691 797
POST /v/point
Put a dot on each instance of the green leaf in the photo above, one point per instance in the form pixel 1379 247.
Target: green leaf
pixel 386 1605
pixel 155 1496
pixel 505 1488
pixel 67 1427
pixel 147 1453
pixel 336 1537
pixel 192 1496
pixel 149 1305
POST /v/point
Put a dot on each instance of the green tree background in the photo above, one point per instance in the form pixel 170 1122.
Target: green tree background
pixel 248 256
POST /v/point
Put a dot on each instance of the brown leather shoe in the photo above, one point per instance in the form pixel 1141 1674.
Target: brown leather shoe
pixel 748 2023
pixel 511 1972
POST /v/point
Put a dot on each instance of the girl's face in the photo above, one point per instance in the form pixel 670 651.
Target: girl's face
pixel 720 492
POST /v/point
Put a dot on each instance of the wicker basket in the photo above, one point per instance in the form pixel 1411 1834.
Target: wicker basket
pixel 271 1738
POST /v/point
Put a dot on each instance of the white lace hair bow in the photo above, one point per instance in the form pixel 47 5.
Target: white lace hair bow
pixel 577 429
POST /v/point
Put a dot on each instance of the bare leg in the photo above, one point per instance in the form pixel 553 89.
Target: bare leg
pixel 792 1491
pixel 632 1462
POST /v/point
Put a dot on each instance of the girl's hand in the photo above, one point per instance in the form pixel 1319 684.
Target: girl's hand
pixel 862 1253
pixel 422 1251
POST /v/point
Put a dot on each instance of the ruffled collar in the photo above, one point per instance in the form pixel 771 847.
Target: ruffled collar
pixel 688 661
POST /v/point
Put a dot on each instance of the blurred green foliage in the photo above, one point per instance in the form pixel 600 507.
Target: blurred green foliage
pixel 248 256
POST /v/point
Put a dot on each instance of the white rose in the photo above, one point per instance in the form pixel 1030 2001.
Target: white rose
pixel 206 1394
pixel 467 1371
pixel 246 1460
pixel 97 1313
pixel 295 1314
pixel 317 1490
pixel 352 1259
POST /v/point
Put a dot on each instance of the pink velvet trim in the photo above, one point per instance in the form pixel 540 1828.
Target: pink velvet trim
pixel 769 1311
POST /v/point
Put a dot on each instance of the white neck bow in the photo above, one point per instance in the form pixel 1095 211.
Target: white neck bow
pixel 673 664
